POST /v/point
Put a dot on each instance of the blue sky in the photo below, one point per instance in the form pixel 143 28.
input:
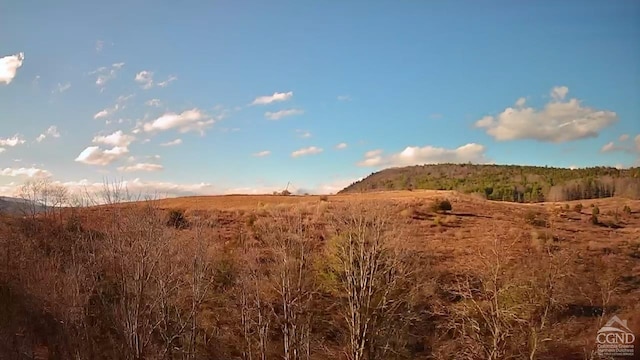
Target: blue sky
pixel 245 96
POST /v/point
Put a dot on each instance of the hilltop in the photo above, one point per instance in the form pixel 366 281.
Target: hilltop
pixel 508 182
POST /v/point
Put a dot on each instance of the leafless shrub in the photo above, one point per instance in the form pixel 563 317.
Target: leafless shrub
pixel 373 283
pixel 507 302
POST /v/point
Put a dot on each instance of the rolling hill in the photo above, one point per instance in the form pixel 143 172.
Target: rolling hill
pixel 508 182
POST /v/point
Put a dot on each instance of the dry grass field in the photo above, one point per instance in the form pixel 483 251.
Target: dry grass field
pixel 490 280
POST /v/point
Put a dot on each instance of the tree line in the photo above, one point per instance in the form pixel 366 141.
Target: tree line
pixel 508 182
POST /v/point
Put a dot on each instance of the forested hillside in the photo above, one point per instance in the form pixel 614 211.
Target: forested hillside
pixel 508 182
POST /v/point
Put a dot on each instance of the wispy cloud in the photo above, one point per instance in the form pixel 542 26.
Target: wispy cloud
pixel 304 134
pixel 190 120
pixel 146 80
pixel 106 74
pixel 172 143
pixel 106 112
pixel 153 102
pixel 341 146
pixel 52 131
pixel 262 153
pixel 344 98
pixel 9 66
pixel 169 80
pixel 276 97
pixel 27 172
pixel 148 167
pixel 623 145
pixel 311 150
pixel 60 88
pixel 414 155
pixel 282 113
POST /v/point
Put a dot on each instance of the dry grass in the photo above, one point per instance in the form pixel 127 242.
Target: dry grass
pixel 444 247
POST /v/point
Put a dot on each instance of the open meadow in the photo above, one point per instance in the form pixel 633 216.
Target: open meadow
pixel 388 275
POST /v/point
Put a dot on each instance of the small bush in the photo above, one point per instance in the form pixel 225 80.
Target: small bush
pixel 441 205
pixel 532 217
pixel 595 211
pixel 324 198
pixel 177 219
pixel 566 206
pixel 594 219
pixel 577 208
pixel 626 209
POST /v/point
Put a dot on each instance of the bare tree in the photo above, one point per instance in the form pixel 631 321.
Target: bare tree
pixel 255 310
pixel 290 247
pixel 372 279
pixel 135 245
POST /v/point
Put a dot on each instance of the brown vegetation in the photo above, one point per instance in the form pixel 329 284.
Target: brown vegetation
pixel 351 277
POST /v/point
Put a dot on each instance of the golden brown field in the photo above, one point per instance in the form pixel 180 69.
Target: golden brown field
pixel 266 277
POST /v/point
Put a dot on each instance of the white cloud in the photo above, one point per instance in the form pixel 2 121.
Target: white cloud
pixel 2 150
pixel 189 120
pixel 559 92
pixel 625 147
pixel 341 146
pixel 149 167
pixel 344 98
pixel 101 114
pixel 414 155
pixel 124 98
pixel 140 187
pixel 145 78
pixel 99 45
pixel 116 139
pixel 94 155
pixel 311 150
pixel 520 102
pixel 276 97
pixel 262 153
pixel 60 88
pixel 558 121
pixel 15 140
pixel 153 102
pixel 106 74
pixel 282 113
pixel 108 111
pixel 28 172
pixel 373 153
pixel 9 66
pixel 52 131
pixel 172 143
pixel 304 134
pixel 608 147
pixel 169 80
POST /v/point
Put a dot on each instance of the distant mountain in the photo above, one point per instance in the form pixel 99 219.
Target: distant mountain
pixel 11 205
pixel 508 182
